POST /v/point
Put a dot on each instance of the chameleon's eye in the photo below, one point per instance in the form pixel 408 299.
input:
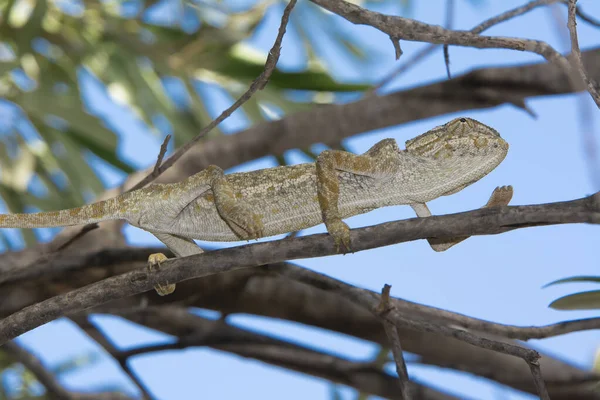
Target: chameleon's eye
pixel 463 120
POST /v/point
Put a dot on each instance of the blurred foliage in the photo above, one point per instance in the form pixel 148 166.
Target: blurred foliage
pixel 137 50
pixel 18 383
pixel 589 300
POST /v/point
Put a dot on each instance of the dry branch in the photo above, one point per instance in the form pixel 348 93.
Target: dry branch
pixel 399 28
pixel 196 331
pixel 289 292
pixel 478 222
pixel 383 308
pixel 572 25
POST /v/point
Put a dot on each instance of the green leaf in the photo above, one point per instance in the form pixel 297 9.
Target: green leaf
pixel 245 69
pixel 151 98
pixel 80 175
pixel 86 126
pixel 582 278
pixel 578 301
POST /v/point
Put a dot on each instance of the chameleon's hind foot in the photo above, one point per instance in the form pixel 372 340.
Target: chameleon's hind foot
pixel 244 223
pixel 154 261
pixel 500 197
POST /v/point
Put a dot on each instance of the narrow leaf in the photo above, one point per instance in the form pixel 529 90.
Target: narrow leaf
pixel 578 301
pixel 582 278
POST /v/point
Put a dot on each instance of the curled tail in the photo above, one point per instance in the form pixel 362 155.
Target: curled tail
pixel 96 212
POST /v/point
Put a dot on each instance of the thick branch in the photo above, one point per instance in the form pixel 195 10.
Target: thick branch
pixel 285 291
pixel 478 222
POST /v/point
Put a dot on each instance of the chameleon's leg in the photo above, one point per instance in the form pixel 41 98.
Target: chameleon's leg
pixel 242 220
pixel 176 198
pixel 181 247
pixel 501 196
pixel 376 162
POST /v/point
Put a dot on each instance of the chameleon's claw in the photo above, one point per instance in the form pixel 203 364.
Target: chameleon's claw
pixel 341 236
pixel 154 261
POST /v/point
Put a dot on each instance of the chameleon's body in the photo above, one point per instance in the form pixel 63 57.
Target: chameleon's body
pixel 212 206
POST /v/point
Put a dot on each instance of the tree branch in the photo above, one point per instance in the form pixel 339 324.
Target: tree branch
pixel 572 25
pixel 273 291
pixel 478 222
pixel 391 331
pixel 196 331
pixel 412 30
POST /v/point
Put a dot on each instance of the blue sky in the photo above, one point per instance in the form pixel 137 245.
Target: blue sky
pixel 498 278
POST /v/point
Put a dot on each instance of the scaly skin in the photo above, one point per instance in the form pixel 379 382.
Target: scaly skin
pixel 212 206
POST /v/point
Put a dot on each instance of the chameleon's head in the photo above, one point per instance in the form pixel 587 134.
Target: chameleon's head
pixel 465 148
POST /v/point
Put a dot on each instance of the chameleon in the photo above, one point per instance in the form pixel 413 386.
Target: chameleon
pixel 213 206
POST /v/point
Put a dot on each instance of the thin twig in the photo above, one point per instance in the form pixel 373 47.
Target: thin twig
pixel 540 385
pixel 84 229
pixel 397 48
pixel 161 154
pixel 405 66
pixel 584 109
pixel 515 12
pixel 410 62
pixel 448 25
pixel 396 318
pixel 392 334
pixel 258 84
pixel 382 307
pixel 576 53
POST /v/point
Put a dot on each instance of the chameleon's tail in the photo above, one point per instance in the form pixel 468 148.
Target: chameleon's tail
pixel 96 212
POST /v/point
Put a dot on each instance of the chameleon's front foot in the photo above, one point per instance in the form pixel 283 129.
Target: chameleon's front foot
pixel 341 235
pixel 154 261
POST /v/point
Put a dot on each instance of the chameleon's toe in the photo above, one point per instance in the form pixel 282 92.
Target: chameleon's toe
pixel 501 196
pixel 341 236
pixel 154 261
